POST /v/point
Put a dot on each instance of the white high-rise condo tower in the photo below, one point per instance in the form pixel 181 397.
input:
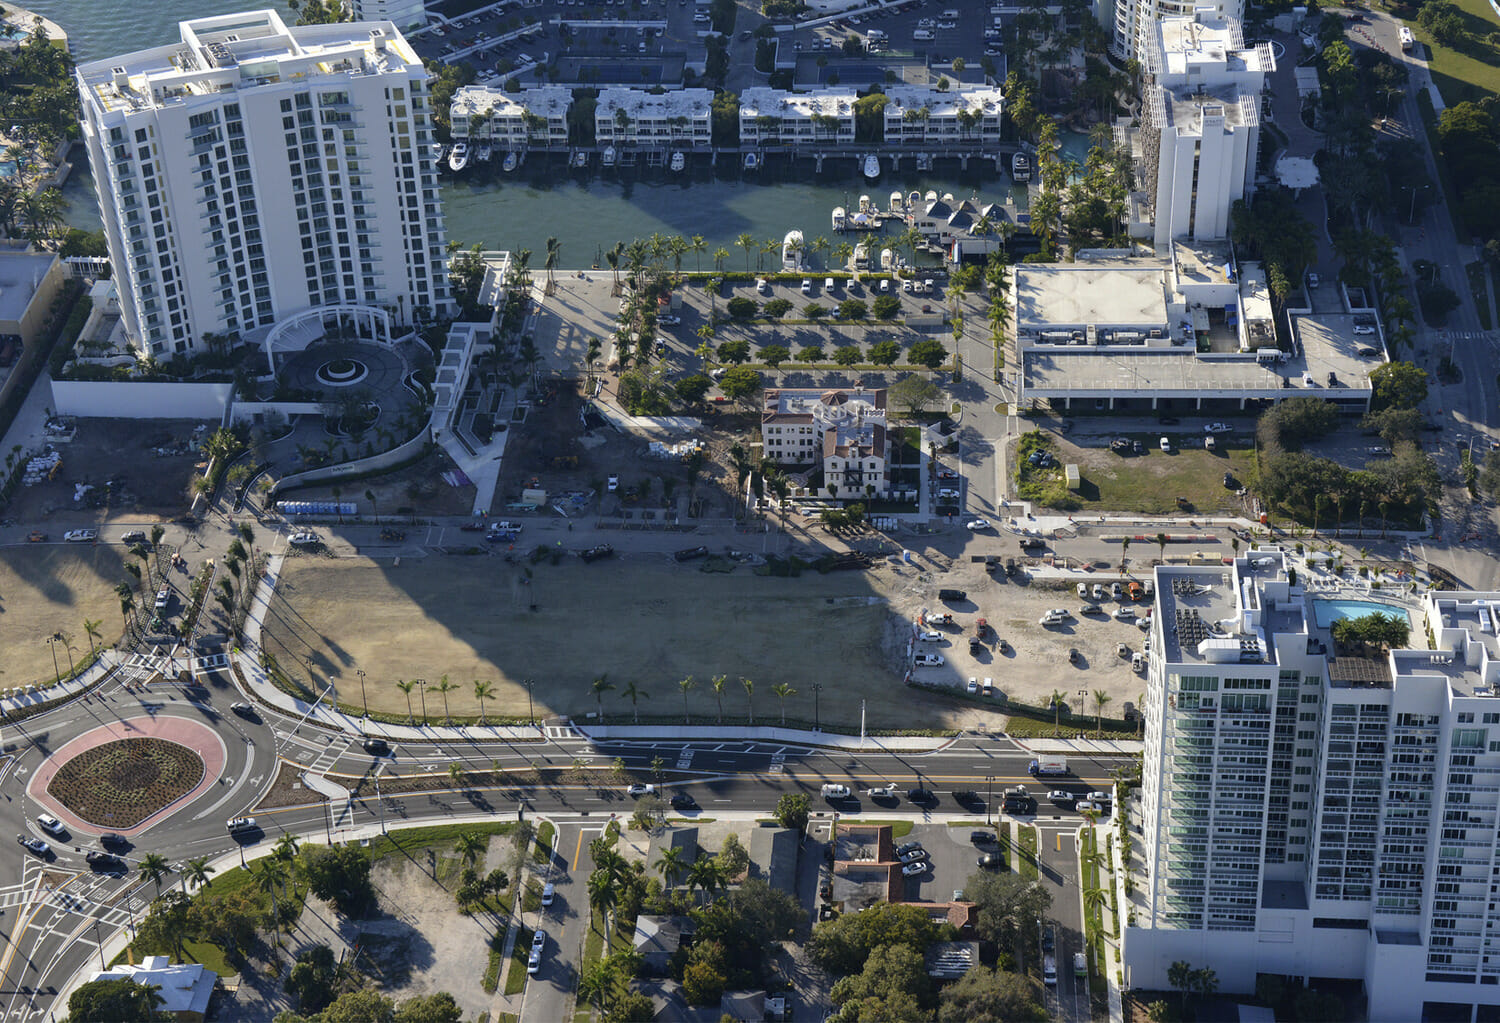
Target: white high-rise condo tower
pixel 1315 805
pixel 253 171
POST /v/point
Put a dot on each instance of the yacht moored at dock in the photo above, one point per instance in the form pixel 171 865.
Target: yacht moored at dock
pixel 872 167
pixel 1020 168
pixel 458 159
pixel 752 161
pixel 840 218
pixel 678 162
pixel 484 152
pixel 791 251
pixel 510 162
pixel 607 159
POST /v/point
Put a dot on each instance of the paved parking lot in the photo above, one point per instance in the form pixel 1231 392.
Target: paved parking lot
pixel 951 857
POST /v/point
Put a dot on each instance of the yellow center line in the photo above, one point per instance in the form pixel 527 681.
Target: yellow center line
pixel 578 852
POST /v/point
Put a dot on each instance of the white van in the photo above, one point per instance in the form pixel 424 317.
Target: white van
pixel 923 34
pixel 832 791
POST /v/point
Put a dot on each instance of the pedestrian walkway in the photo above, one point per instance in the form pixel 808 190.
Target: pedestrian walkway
pixel 30 696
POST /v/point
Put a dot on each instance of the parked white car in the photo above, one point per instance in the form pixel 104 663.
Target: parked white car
pixel 302 539
pixel 979 525
pixel 931 636
pixel 80 536
pixel 929 660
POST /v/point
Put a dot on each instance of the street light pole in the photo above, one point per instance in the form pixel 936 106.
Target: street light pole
pixel 363 700
pixel 530 684
pixel 52 642
pixel 423 683
pixel 989 799
pixel 817 721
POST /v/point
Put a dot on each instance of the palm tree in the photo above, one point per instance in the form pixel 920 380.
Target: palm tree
pixel 456 773
pixel 1100 699
pixel 286 848
pixel 470 847
pixel 406 688
pixel 749 696
pixel 720 254
pixel 1058 698
pixel 1161 546
pixel 704 872
pixel 718 684
pixel 670 865
pixel 445 687
pixel 781 691
pixel 603 897
pixel 748 243
pixel 599 687
pixel 612 257
pixel 154 867
pixel 687 685
pixel 270 878
pixel 554 253
pixel 633 692
pixel 1093 899
pixel 91 627
pixel 196 873
pixel 483 691
pixel 1385 507
pixel 699 246
pixel 1124 550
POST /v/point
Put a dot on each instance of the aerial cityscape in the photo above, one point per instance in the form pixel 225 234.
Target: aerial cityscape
pixel 1059 583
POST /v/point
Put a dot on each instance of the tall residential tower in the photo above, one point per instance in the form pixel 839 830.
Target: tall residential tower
pixel 1317 809
pixel 254 170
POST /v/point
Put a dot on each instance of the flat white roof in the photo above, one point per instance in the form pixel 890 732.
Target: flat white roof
pixel 640 104
pixel 545 101
pixel 761 100
pixel 1077 295
pixel 902 98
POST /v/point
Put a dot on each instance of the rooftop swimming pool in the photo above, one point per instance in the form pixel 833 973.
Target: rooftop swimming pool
pixel 1326 612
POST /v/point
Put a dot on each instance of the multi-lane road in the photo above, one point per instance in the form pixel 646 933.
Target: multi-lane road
pixel 56 913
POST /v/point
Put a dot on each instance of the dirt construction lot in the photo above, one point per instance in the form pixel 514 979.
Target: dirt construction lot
pixel 649 620
pixel 46 588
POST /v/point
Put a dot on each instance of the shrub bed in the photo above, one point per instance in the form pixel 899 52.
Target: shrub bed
pixel 120 784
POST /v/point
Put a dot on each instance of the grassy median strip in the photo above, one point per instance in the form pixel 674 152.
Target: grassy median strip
pixel 542 851
pixel 492 968
pixel 515 977
pixel 1026 864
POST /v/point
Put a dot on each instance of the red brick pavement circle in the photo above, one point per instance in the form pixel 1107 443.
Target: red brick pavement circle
pixel 199 738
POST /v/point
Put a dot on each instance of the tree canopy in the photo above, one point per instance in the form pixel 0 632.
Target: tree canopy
pixel 115 1001
pixel 842 944
pixel 1376 629
pixel 1398 385
pixel 985 995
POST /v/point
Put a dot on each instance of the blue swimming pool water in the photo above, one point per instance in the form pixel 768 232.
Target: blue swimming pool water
pixel 1326 612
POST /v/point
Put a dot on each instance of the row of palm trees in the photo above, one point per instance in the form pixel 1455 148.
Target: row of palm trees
pixel 633 692
pixel 1059 700
pixel 443 686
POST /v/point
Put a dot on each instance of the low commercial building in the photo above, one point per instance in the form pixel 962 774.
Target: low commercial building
pixel 29 282
pixel 634 117
pixel 843 432
pixel 511 121
pixel 916 116
pixel 774 117
pixel 184 989
pixel 1189 332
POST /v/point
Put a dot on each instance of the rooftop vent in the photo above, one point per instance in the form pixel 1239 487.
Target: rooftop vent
pixel 121 78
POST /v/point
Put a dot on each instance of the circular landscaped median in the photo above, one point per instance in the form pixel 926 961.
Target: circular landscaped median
pixel 117 785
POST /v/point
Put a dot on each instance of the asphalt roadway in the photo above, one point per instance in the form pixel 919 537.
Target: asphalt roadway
pixel 57 913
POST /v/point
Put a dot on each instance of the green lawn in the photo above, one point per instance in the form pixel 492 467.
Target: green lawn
pixel 1026 862
pixel 515 976
pixel 1473 72
pixel 496 960
pixel 1149 483
pixel 442 837
pixel 542 851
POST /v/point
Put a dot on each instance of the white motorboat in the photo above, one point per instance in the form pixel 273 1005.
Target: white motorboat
pixel 872 167
pixel 896 206
pixel 484 152
pixel 865 205
pixel 608 159
pixel 580 159
pixel 510 161
pixel 791 251
pixel 752 161
pixel 678 162
pixel 458 159
pixel 1020 168
pixel 438 152
pixel 913 200
pixel 840 218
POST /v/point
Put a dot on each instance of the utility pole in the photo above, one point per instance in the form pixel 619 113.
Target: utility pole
pixel 364 701
pixel 530 684
pixel 989 799
pixel 817 721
